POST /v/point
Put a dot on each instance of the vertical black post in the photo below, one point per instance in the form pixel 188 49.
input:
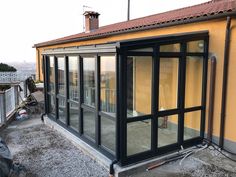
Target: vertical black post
pixel 181 96
pixel 45 81
pixel 117 108
pixel 97 101
pixel 66 76
pixel 81 93
pixel 56 86
pixel 123 105
pixel 155 98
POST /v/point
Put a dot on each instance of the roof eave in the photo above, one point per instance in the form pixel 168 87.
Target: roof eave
pixel 141 28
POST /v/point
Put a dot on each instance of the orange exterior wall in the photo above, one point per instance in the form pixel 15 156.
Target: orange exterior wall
pixel 216 30
pixel 39 70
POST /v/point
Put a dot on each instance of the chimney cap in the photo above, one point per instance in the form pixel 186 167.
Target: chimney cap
pixel 91 13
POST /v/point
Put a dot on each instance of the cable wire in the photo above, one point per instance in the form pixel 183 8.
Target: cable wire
pixel 211 144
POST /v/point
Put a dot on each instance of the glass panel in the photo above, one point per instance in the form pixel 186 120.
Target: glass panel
pixel 89 81
pixel 52 107
pixel 108 133
pixel 150 49
pixel 73 64
pixel 62 109
pixel 192 121
pixel 170 48
pixel 51 87
pixel 193 86
pixel 167 130
pixel 61 75
pixel 138 137
pixel 168 86
pixel 139 84
pixel 108 84
pixel 74 116
pixel 195 46
pixel 89 123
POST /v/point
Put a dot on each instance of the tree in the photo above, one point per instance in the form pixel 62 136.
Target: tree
pixel 6 68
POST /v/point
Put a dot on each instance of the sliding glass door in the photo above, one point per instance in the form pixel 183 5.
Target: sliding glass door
pixel 165 87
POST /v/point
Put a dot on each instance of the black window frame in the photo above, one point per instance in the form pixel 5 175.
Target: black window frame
pixel 180 110
pixel 81 106
pixel 121 52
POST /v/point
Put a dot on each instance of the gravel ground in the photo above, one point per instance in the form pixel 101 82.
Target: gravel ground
pixel 42 152
pixel 207 163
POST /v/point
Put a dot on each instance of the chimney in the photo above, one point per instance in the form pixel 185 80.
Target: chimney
pixel 91 20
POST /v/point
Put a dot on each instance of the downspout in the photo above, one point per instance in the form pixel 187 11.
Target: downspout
pixel 211 98
pixel 112 171
pixel 225 81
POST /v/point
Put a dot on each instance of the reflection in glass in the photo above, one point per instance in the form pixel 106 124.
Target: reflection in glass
pixel 52 108
pixel 150 49
pixel 168 86
pixel 108 133
pixel 138 137
pixel 108 84
pixel 62 109
pixel 192 121
pixel 89 81
pixel 51 87
pixel 139 81
pixel 74 115
pixel 61 75
pixel 73 64
pixel 89 123
pixel 170 48
pixel 167 130
pixel 193 86
pixel 195 46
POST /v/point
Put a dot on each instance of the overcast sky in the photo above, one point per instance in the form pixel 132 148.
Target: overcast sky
pixel 26 22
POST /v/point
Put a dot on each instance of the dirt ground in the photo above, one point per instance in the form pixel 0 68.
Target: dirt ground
pixel 42 152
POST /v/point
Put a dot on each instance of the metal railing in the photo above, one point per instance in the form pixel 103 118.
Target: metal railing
pixel 12 77
pixel 108 97
pixel 9 101
pixel 108 100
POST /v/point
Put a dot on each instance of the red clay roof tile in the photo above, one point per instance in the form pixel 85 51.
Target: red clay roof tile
pixel 208 9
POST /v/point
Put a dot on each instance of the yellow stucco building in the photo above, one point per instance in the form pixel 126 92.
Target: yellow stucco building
pixel 140 88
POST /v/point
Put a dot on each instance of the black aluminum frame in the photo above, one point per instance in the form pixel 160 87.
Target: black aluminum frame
pixel 97 143
pixel 180 110
pixel 122 51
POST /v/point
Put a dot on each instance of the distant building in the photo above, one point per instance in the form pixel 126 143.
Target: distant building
pixel 141 88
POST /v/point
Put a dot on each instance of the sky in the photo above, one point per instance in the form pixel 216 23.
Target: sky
pixel 24 23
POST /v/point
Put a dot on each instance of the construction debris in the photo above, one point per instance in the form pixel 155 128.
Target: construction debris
pixel 5 159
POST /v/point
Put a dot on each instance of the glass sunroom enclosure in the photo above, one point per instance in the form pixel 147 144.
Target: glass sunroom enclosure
pixel 130 100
